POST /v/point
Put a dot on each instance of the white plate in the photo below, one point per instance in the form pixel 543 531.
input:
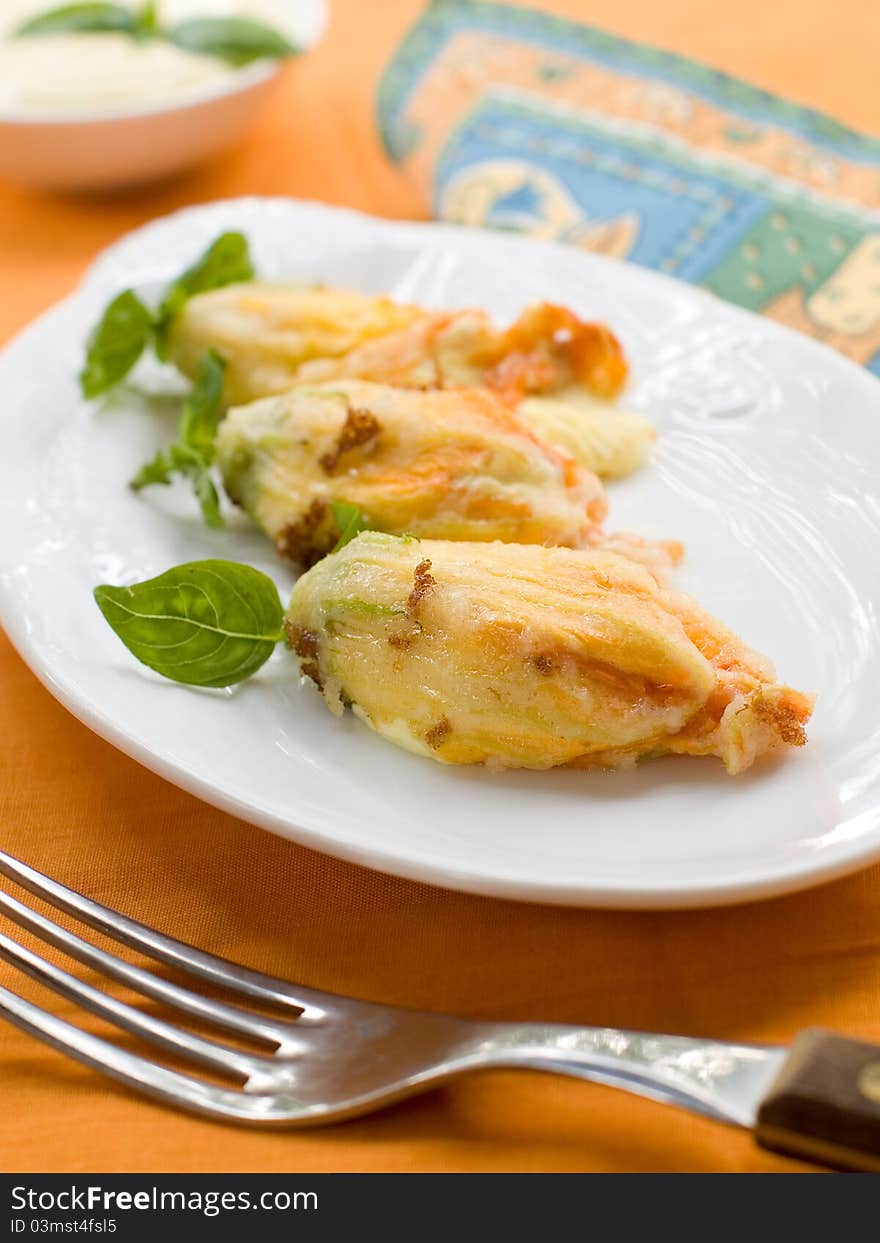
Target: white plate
pixel 767 466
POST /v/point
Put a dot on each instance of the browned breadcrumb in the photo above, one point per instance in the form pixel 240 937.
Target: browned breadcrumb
pixel 437 734
pixel 360 427
pixel 544 663
pixel 303 541
pixel 782 719
pixel 306 645
pixel 423 583
pixel 404 638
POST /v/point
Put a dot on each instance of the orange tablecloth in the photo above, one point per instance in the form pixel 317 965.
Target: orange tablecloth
pixel 72 805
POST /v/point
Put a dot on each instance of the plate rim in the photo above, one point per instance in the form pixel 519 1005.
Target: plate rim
pixel 811 871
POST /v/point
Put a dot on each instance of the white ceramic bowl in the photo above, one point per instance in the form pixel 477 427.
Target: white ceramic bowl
pixel 107 150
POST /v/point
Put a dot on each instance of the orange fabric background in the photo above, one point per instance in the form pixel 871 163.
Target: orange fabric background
pixel 74 807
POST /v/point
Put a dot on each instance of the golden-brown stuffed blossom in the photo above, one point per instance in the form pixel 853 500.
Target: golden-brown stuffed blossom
pixel 274 336
pixel 449 465
pixel 523 656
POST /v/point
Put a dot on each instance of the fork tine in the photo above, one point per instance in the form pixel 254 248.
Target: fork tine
pixel 177 1040
pixel 218 1013
pixel 139 1072
pixel 312 1002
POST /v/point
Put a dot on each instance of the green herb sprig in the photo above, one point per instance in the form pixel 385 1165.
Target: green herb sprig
pixel 128 326
pixel 192 453
pixel 237 40
pixel 226 262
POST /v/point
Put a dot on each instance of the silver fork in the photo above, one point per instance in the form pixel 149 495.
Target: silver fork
pixel 329 1057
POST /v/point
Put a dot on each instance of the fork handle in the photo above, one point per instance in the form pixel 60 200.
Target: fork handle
pixel 819 1100
pixel 824 1104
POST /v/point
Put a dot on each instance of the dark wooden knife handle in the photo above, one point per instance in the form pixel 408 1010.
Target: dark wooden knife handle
pixel 824 1104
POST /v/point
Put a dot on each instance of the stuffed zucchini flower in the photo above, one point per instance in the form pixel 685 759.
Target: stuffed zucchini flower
pixel 528 657
pixel 450 465
pixel 273 336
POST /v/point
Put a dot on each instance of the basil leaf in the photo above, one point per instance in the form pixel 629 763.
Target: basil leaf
pixel 179 459
pixel 159 470
pixel 207 623
pixel 226 261
pixel 350 521
pixel 190 463
pixel 193 451
pixel 201 412
pixel 116 343
pixel 237 40
pixel 206 495
pixel 127 327
pixel 146 22
pixel 79 18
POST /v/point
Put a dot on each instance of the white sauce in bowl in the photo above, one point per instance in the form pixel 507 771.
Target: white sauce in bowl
pixel 73 74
